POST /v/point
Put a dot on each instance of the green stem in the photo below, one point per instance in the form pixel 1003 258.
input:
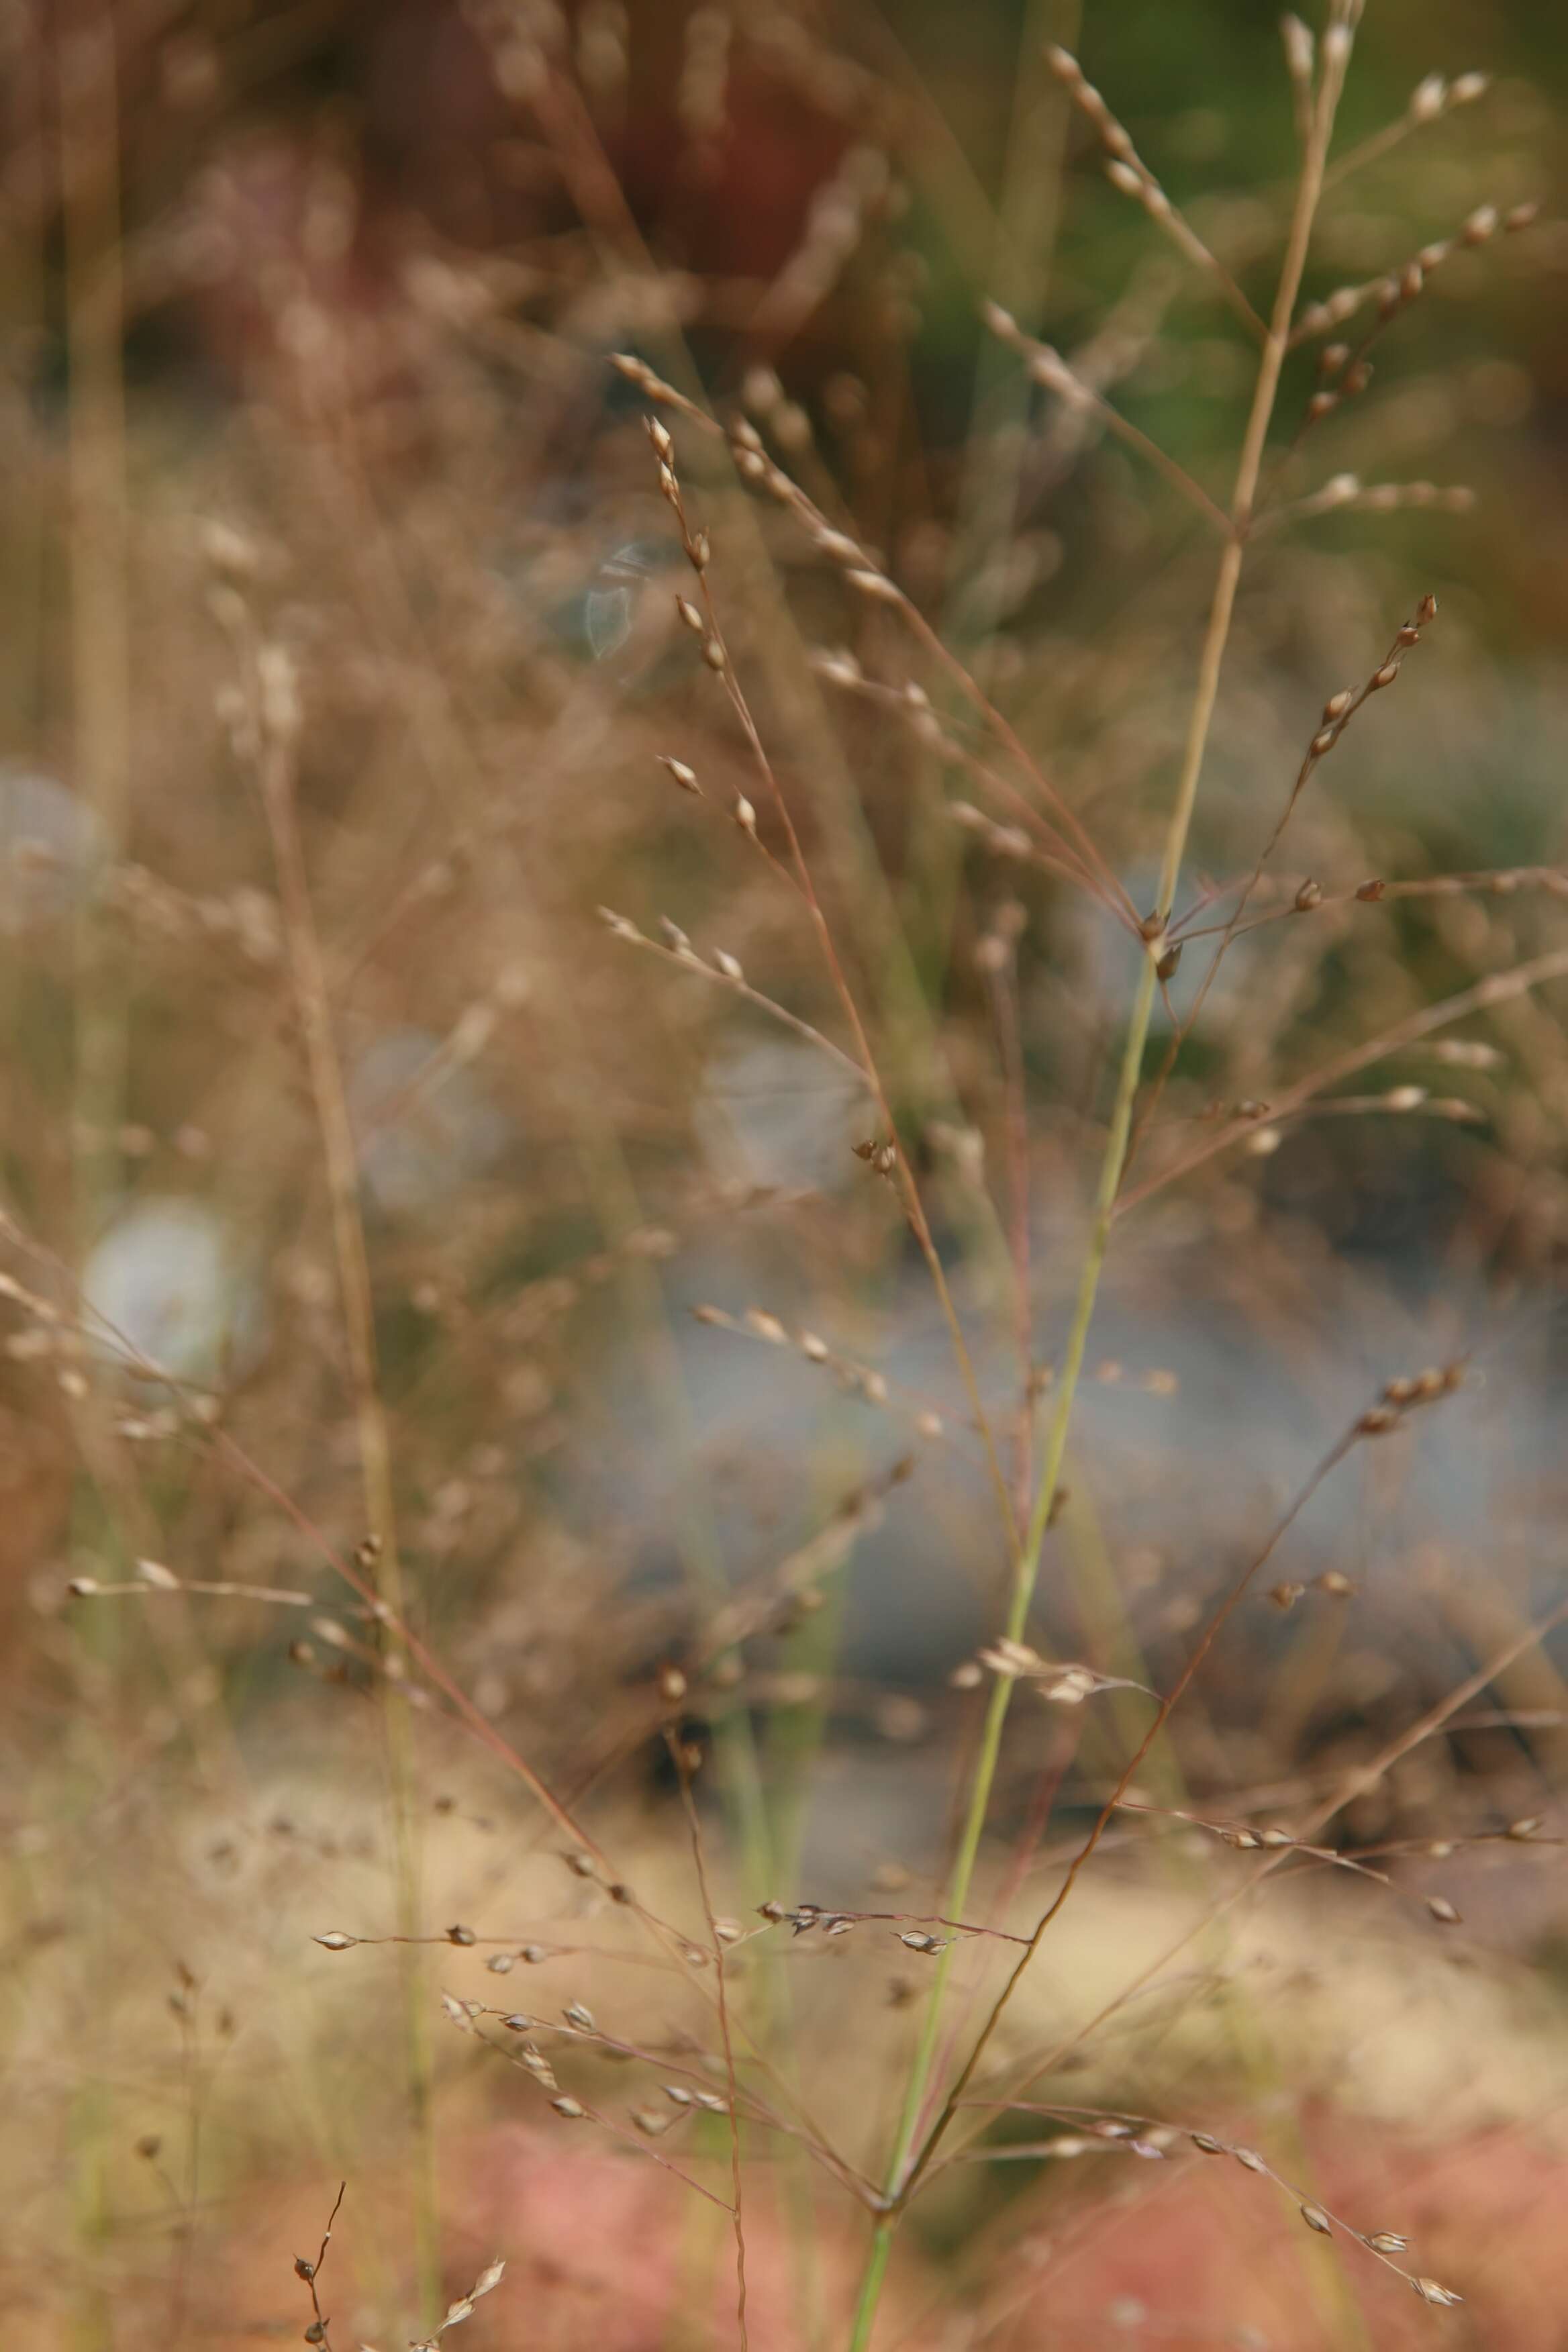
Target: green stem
pixel 990 1749
pixel 907 2164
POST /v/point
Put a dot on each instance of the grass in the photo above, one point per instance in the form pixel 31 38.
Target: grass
pixel 613 1676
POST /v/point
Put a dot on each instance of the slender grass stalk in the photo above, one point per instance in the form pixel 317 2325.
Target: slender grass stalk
pixel 738 2218
pixel 908 2152
pixel 279 735
pixel 88 164
pixel 97 544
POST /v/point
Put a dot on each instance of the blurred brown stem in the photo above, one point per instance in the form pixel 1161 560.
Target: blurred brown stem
pixel 278 777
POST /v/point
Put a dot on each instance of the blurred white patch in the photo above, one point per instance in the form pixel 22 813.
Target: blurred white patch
pixel 169 1277
pixel 609 607
pixel 51 850
pixel 425 1124
pixel 779 1114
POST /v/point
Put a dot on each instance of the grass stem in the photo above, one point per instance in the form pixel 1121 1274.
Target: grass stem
pixel 909 2154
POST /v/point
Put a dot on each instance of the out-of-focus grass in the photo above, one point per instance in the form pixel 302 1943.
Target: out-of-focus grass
pixel 296 366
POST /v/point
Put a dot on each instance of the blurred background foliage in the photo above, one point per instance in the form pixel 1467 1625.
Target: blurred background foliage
pixel 306 322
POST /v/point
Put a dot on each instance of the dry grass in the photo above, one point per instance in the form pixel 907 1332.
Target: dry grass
pixel 780 1278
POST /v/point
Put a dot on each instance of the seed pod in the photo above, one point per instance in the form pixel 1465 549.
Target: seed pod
pixel 1428 97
